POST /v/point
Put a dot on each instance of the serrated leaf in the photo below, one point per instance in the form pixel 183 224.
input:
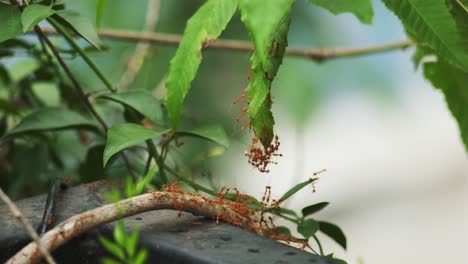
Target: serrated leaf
pixel 11 22
pixel 112 248
pixel 334 232
pixel 362 9
pixel 125 135
pixel 314 208
pixel 214 133
pixel 33 14
pixel 82 26
pixel 296 188
pixel 308 228
pixel 204 26
pixel 453 84
pixel 141 101
pixel 429 22
pixel 269 35
pixel 48 119
pixel 141 257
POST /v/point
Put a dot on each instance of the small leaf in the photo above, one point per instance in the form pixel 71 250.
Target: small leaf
pixel 362 9
pixel 141 257
pixel 312 209
pixel 33 14
pixel 11 22
pixel 214 133
pixel 282 211
pixel 47 119
pixel 334 232
pixel 308 228
pixel 125 135
pixel 132 242
pixel 205 25
pixel 82 26
pixel 283 230
pixel 120 232
pixel 296 188
pixel 112 248
pixel 141 101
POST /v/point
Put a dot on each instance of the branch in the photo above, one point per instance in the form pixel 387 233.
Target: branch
pixel 29 229
pixel 187 202
pixel 316 54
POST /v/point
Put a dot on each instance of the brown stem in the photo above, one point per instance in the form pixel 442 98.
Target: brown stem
pixel 316 54
pixel 39 246
pixel 75 225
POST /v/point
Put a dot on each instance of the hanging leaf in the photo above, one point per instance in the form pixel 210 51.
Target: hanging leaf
pixel 296 188
pixel 11 22
pixel 214 133
pixel 308 228
pixel 269 35
pixel 452 82
pixel 204 26
pixel 141 101
pixel 82 26
pixel 125 135
pixel 115 249
pixel 362 9
pixel 334 232
pixel 33 14
pixel 48 119
pixel 429 22
pixel 312 209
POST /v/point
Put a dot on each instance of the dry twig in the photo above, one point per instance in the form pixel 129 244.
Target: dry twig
pixel 29 229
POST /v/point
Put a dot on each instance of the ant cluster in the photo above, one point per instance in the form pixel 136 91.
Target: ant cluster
pixel 260 157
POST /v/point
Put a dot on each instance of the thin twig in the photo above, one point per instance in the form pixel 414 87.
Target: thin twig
pixel 27 226
pixel 136 60
pixel 80 90
pixel 317 54
pixel 192 203
pixel 48 216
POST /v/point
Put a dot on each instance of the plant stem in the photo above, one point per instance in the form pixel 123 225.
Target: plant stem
pixel 319 244
pixel 69 38
pixel 316 54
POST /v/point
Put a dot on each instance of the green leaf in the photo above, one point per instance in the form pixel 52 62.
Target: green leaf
pixel 214 133
pixel 23 69
pixel 48 119
pixel 47 92
pixel 132 242
pixel 453 84
pixel 283 211
pixel 82 26
pixel 119 232
pixel 100 6
pixel 312 209
pixel 112 248
pixel 204 26
pixel 141 257
pixel 463 4
pixel 338 261
pixel 141 101
pixel 429 22
pixel 125 135
pixel 33 14
pixel 296 188
pixel 283 230
pixel 362 9
pixel 308 228
pixel 269 35
pixel 110 261
pixel 459 12
pixel 11 22
pixel 334 232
